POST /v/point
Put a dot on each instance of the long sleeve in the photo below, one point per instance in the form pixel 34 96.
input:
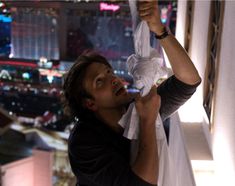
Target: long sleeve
pixel 174 93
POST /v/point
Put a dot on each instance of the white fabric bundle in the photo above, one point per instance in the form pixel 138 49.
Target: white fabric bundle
pixel 145 67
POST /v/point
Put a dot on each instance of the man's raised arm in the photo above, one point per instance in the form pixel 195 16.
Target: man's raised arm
pixel 181 64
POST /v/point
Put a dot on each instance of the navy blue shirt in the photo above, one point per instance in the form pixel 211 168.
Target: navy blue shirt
pixel 101 157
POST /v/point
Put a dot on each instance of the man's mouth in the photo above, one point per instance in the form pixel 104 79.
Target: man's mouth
pixel 120 91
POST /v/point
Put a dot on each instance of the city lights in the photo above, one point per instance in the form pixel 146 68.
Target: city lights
pixel 1 4
pixel 112 7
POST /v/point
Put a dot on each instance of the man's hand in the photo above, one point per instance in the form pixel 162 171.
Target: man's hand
pixel 146 164
pixel 149 12
pixel 148 106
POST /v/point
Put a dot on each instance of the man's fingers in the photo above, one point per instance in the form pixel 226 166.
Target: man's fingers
pixel 137 97
pixel 151 93
pixel 153 89
pixel 146 17
pixel 144 6
pixel 146 9
pixel 145 14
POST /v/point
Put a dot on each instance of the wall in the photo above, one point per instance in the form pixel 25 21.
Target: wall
pixel 43 163
pixel 193 111
pixel 181 21
pixel 222 138
pixel 32 171
pixel 14 173
pixel 224 127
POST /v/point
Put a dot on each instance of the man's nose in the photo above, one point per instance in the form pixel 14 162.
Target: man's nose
pixel 114 81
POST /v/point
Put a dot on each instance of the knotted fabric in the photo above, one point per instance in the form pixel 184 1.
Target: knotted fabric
pixel 146 67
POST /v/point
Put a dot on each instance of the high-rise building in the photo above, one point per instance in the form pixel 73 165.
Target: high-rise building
pixel 34 33
pixel 5 30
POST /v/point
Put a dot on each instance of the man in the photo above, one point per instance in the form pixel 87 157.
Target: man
pixel 99 154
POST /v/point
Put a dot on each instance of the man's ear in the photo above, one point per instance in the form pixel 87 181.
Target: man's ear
pixel 90 104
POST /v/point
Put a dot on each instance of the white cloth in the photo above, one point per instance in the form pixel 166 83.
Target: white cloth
pixel 145 67
pixel 179 156
pixel 145 71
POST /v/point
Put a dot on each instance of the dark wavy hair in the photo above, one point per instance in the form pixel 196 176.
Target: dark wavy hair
pixel 74 92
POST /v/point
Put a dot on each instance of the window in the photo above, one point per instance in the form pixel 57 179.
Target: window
pixel 188 29
pixel 214 37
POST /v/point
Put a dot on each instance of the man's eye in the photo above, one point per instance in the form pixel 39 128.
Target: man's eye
pixel 109 71
pixel 99 82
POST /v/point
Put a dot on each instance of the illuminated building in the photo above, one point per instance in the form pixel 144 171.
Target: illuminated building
pixel 5 30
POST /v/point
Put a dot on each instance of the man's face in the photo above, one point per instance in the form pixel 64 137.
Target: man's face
pixel 107 90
